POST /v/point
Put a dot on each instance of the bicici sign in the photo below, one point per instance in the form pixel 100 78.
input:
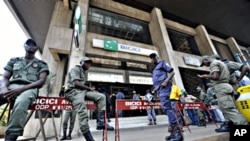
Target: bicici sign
pixel 56 103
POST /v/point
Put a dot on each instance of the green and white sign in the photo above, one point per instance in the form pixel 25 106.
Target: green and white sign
pixel 113 45
pixel 78 18
pixel 110 44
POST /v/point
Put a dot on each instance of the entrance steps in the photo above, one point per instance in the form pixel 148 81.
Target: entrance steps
pixel 132 122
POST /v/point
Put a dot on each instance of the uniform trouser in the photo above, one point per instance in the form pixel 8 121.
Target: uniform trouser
pixel 77 97
pixel 166 105
pixel 227 105
pixel 200 114
pixel 19 112
pixel 69 115
pixel 151 114
pixel 177 113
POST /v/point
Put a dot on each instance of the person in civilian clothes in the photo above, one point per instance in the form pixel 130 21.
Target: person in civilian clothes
pixel 120 95
pixel 162 74
pixel 22 78
pixel 151 111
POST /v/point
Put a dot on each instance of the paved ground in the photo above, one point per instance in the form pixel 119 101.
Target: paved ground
pixel 158 133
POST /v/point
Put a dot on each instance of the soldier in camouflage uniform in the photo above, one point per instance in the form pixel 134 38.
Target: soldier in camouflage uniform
pixel 76 91
pixel 220 76
pixel 21 80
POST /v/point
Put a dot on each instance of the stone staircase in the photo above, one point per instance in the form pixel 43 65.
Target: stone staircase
pixel 132 122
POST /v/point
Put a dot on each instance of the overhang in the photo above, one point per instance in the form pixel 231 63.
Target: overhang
pixel 223 18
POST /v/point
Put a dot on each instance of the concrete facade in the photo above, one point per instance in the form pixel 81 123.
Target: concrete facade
pixel 61 53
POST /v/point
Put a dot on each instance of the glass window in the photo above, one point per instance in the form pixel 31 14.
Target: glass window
pixel 108 23
pixel 224 51
pixel 183 42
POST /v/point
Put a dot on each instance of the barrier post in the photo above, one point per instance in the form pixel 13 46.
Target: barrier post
pixel 131 105
pixel 52 104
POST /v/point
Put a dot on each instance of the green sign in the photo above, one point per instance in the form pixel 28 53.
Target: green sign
pixel 78 18
pixel 110 44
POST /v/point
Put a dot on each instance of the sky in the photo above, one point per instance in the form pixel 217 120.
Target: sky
pixel 12 37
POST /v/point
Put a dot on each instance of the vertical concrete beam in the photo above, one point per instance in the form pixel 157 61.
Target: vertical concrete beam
pixel 76 54
pixel 203 41
pixel 61 18
pixel 161 40
pixel 234 47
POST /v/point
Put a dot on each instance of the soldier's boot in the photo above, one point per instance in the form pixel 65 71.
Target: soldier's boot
pixel 64 137
pixel 88 136
pixel 155 123
pixel 176 134
pixel 10 138
pixel 101 122
pixel 69 135
pixel 202 122
pixel 150 122
pixel 224 127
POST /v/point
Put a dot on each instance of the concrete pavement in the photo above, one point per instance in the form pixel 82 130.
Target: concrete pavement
pixel 136 129
pixel 158 133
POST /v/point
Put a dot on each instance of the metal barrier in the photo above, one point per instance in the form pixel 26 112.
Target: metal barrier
pixel 194 105
pixel 132 105
pixel 51 104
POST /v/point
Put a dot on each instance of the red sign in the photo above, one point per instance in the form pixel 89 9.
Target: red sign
pixel 57 103
pixel 195 105
pixel 136 104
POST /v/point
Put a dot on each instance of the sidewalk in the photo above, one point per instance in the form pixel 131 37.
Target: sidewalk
pixel 158 133
pixel 136 129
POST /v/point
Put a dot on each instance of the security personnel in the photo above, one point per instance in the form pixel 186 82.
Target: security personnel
pixel 162 76
pixel 220 76
pixel 69 115
pixel 76 92
pixel 234 66
pixel 22 78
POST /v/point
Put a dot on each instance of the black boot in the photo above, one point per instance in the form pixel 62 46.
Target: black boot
pixel 88 136
pixel 11 137
pixel 224 127
pixel 101 122
pixel 202 122
pixel 176 134
pixel 69 135
pixel 64 137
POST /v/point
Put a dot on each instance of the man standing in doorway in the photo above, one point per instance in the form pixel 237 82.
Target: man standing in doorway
pixel 162 76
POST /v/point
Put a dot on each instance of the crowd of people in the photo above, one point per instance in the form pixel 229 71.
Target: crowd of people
pixel 24 76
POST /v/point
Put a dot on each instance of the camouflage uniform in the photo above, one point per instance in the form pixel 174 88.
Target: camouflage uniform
pixel 22 74
pixel 77 96
pixel 223 91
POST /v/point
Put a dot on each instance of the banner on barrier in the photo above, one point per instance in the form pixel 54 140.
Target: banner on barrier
pixel 136 104
pixel 57 103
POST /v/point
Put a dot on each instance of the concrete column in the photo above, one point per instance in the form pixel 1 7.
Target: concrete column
pixel 61 20
pixel 234 47
pixel 161 40
pixel 76 54
pixel 203 41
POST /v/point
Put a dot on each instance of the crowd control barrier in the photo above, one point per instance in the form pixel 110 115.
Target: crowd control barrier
pixel 194 105
pixel 132 105
pixel 51 104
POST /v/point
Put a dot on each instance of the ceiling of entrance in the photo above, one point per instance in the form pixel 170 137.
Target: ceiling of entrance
pixel 222 18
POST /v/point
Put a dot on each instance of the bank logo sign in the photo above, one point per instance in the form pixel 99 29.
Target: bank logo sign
pixel 113 45
pixel 110 44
